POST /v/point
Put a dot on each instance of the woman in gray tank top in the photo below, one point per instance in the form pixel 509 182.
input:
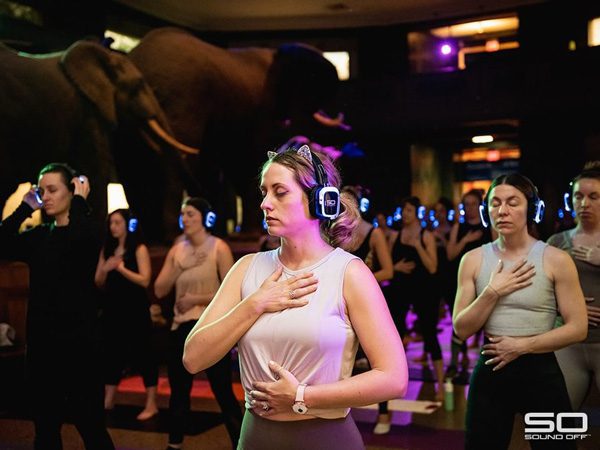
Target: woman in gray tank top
pixel 512 288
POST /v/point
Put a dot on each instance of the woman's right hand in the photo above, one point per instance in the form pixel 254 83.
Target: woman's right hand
pixel 274 296
pixel 507 282
pixel 112 263
pixel 404 266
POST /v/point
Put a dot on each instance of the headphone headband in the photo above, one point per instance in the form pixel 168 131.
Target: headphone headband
pixel 320 173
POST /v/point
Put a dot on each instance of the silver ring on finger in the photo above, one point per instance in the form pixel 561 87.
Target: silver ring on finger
pixel 292 294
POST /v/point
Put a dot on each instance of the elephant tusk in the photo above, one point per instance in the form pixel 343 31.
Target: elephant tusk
pixel 324 119
pixel 160 132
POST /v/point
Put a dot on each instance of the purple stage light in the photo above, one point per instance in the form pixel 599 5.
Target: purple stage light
pixel 446 49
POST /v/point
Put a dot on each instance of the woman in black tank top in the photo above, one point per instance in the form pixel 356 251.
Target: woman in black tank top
pixel 415 261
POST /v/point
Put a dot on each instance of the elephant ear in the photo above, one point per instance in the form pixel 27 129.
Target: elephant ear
pixel 95 71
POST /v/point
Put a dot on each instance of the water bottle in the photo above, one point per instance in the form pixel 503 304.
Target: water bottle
pixel 448 395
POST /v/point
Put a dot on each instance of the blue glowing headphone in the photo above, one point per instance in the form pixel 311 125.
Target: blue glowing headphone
pixel 461 212
pixel 132 225
pixel 324 200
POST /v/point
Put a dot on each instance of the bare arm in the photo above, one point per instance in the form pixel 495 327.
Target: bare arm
pixel 228 316
pixel 100 276
pixel 455 246
pixel 382 251
pixel 471 311
pixel 453 249
pixel 141 278
pixel 168 275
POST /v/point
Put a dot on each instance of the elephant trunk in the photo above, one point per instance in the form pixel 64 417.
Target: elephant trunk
pixel 170 140
pixel 338 122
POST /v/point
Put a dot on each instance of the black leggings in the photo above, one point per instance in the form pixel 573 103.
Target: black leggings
pixel 530 383
pixel 180 381
pixel 66 384
pixel 129 347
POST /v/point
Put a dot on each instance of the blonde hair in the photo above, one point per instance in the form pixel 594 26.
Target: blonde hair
pixel 338 232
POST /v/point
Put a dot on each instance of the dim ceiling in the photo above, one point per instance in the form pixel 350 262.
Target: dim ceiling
pixel 256 15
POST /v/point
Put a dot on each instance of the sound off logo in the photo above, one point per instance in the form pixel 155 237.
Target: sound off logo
pixel 548 426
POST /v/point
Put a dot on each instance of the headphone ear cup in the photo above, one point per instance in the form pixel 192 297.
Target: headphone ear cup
pixel 537 212
pixel 132 224
pixel 209 219
pixel 484 214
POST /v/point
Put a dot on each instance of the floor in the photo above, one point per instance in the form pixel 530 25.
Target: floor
pixel 415 426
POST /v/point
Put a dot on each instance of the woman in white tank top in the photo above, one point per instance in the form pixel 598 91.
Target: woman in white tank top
pixel 298 313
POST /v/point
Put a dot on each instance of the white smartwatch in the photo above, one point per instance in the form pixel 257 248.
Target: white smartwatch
pixel 299 407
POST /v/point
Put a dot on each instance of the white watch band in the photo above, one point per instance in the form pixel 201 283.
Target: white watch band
pixel 299 407
pixel 300 393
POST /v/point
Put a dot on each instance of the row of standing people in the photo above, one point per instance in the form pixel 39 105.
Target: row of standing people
pixel 194 267
pixel 528 299
pixel 80 339
pixel 485 296
pixel 269 302
pixel 418 267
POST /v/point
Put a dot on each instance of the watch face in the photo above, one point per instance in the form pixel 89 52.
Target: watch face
pixel 299 408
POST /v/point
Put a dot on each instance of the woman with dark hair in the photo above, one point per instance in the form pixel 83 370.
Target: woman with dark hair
pixel 415 261
pixel 195 266
pixel 63 351
pixel 513 288
pixel 415 264
pixel 298 314
pixel 467 233
pixel 124 272
pixel 580 363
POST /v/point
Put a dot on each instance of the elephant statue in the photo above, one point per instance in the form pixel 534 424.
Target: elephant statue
pixel 67 107
pixel 139 118
pixel 234 105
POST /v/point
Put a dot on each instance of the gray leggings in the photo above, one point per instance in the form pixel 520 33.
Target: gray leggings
pixel 580 365
pixel 315 434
